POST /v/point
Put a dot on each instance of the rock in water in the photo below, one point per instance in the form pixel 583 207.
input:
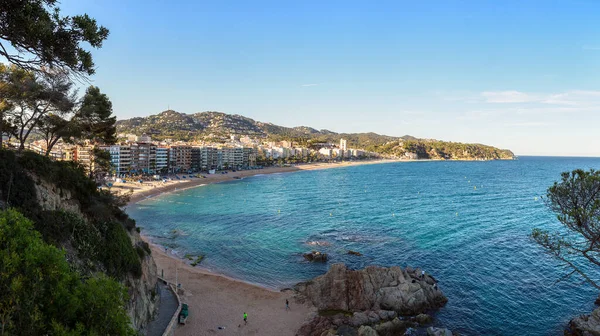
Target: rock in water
pixel 356 253
pixel 423 319
pixel 585 325
pixel 372 288
pixel 315 256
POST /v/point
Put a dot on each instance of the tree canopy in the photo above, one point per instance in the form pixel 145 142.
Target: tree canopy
pixel 576 201
pixel 34 34
pixel 46 104
pixel 94 118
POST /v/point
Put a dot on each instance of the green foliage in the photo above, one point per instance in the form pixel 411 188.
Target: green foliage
pixel 143 249
pixel 434 149
pixel 576 202
pixel 32 97
pixel 39 294
pixel 99 239
pixel 119 256
pixel 60 227
pixel 42 37
pixel 94 118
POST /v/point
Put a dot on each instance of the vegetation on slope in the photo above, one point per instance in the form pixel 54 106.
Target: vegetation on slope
pixel 98 240
pixel 60 270
pixel 41 295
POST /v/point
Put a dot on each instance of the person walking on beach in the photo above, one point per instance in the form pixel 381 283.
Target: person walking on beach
pixel 245 318
pixel 287 305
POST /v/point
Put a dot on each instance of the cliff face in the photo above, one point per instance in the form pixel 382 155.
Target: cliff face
pixel 143 301
pixel 143 298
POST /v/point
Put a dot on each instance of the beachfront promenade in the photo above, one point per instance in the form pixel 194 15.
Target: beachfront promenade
pixel 167 308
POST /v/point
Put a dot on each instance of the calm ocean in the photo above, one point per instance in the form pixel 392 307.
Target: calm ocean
pixel 467 223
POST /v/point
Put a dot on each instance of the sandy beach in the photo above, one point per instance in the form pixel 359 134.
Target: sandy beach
pixel 218 301
pixel 151 189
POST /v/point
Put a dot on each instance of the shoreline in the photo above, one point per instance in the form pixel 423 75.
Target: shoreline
pixel 179 185
pixel 218 178
pixel 217 302
pixel 184 263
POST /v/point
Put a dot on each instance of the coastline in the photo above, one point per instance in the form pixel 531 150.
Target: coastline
pixel 225 297
pixel 217 302
pixel 178 185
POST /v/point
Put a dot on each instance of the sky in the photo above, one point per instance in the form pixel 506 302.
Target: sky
pixel 522 75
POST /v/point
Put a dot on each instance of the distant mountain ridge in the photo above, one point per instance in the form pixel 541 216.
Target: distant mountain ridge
pixel 171 123
pixel 218 125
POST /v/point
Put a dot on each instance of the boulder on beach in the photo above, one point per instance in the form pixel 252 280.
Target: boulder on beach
pixel 315 256
pixel 373 288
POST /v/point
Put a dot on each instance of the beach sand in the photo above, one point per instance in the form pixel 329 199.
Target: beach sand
pixel 217 301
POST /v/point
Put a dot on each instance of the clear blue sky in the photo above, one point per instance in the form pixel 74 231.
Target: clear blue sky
pixel 523 75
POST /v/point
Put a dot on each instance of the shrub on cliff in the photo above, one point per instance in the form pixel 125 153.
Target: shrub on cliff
pixel 99 239
pixel 40 294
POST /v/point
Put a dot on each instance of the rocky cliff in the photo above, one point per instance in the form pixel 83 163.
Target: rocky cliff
pixel 372 301
pixel 142 290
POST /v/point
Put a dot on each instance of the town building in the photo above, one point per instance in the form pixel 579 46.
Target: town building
pixel 180 158
pixel 343 144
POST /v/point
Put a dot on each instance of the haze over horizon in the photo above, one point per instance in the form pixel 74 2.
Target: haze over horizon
pixel 521 76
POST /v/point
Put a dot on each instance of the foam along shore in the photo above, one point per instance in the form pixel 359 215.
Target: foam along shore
pixel 155 188
pixel 217 303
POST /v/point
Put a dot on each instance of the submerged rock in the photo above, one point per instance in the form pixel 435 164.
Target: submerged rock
pixel 373 288
pixel 315 256
pixel 354 253
pixel 431 331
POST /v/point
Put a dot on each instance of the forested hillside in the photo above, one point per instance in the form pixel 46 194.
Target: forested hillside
pixel 215 125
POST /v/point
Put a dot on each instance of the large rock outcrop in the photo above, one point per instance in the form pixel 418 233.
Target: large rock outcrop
pixel 373 288
pixel 585 325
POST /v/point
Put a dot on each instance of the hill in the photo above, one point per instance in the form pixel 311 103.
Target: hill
pixel 218 125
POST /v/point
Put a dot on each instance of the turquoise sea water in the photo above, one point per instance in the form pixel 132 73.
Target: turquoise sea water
pixel 467 223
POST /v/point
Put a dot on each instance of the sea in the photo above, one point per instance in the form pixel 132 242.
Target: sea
pixel 466 223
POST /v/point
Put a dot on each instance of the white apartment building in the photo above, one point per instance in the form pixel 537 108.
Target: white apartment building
pixel 357 153
pixel 343 144
pixel 325 151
